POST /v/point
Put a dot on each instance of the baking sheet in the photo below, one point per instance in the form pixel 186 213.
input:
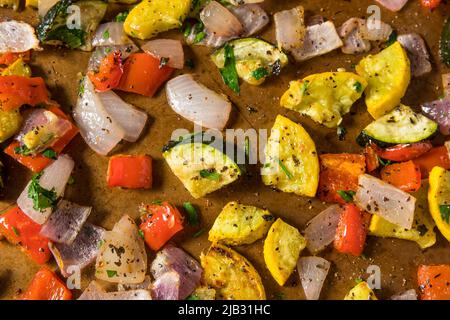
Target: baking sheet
pixel 61 69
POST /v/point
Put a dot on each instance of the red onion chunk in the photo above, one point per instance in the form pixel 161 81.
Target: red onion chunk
pixel 167 287
pixel 95 291
pixel 197 103
pixel 439 111
pixel 98 129
pixel 172 259
pixel 55 178
pixel 17 36
pixel 66 222
pixel 393 5
pixel 129 118
pixel 166 48
pixel 380 198
pixel 220 21
pixel 446 84
pixel 81 252
pixel 321 230
pixel 313 272
pixel 50 127
pixel 417 53
pixel 407 295
pixel 319 39
pixel 111 34
pixel 290 28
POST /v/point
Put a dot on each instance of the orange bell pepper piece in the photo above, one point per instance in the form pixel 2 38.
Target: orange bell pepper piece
pixel 132 172
pixel 434 282
pixel 16 91
pixel 437 156
pixel 9 57
pixel 109 72
pixel 404 175
pixel 46 286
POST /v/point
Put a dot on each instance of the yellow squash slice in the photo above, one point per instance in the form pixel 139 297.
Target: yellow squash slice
pixel 325 97
pixel 361 292
pixel 388 74
pixel 291 163
pixel 231 275
pixel 439 199
pixel 282 248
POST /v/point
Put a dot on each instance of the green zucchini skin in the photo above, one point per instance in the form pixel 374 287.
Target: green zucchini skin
pixel 444 45
pixel 363 139
pixel 50 19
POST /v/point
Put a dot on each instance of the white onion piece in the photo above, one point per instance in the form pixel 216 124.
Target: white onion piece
pixel 381 198
pixel 81 252
pixel 66 222
pixel 44 6
pixel 97 128
pixel 55 178
pixel 290 28
pixel 321 230
pixel 167 286
pixel 111 34
pixel 101 52
pixel 417 53
pixel 220 21
pixel 319 39
pixel 197 103
pixel 446 84
pixel 17 36
pixel 393 5
pixel 252 17
pixel 439 111
pixel 95 291
pixel 146 284
pixel 407 295
pixel 166 48
pixel 312 272
pixel 131 119
pixel 122 257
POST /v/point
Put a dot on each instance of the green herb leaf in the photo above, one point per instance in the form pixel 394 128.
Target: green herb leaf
pixel 192 215
pixel 193 297
pixel 260 73
pixel 198 233
pixel 157 201
pixel 121 16
pixel 73 38
pixel 358 280
pixel 210 174
pixel 347 196
pixel 341 132
pixel 141 234
pixel 111 273
pixel 23 150
pixel 199 36
pixel 16 232
pixel 286 171
pixel 50 153
pixel 229 72
pixel 304 87
pixel 384 162
pixel 392 38
pixel 105 34
pixel 444 209
pixel 42 198
pixel 357 86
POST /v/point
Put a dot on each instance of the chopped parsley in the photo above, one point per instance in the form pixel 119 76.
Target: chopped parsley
pixel 358 280
pixel 341 132
pixel 358 86
pixel 141 234
pixel 210 174
pixel 229 72
pixel 16 232
pixel 286 171
pixel 193 297
pixel 444 209
pixel 23 150
pixel 260 73
pixel 199 36
pixel 50 153
pixel 383 162
pixel 121 16
pixel 392 38
pixel 346 195
pixel 105 34
pixel 42 198
pixel 304 87
pixel 192 215
pixel 111 273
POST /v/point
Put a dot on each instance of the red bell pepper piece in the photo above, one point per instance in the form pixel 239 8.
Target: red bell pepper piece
pixel 404 175
pixel 132 172
pixel 142 74
pixel 9 57
pixel 339 172
pixel 434 282
pixel 38 162
pixel 16 91
pixel 109 72
pixel 46 286
pixel 437 156
pixel 160 222
pixel 352 230
pixel 18 228
pixel 403 152
pixel 430 4
pixel 372 162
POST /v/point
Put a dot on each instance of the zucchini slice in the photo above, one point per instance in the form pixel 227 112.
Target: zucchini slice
pixel 201 168
pixel 256 59
pixel 402 125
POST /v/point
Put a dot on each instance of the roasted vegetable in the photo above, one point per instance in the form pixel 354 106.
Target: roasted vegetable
pixel 13 4
pixel 388 74
pixel 325 97
pixel 291 164
pixel 434 282
pixel 231 275
pixel 203 293
pixel 128 171
pixel 401 125
pixel 201 168
pixel 439 199
pixel 17 68
pixel 436 157
pixel 404 175
pixel 445 43
pixel 254 59
pixel 282 248
pixel 46 286
pixel 151 17
pixel 361 292
pixel 10 122
pixel 240 224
